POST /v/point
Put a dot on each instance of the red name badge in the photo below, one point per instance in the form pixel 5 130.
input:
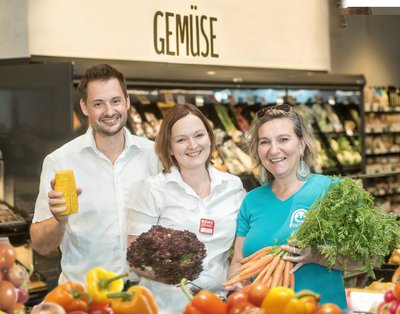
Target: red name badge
pixel 206 226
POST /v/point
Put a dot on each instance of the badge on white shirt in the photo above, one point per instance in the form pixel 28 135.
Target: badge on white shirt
pixel 206 226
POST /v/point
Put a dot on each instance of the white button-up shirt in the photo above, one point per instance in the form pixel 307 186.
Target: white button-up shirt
pixel 97 234
pixel 167 200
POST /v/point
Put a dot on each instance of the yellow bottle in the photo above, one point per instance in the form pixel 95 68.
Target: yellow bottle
pixel 65 183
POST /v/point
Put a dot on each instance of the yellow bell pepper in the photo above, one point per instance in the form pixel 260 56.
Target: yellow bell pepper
pixel 136 299
pixel 100 282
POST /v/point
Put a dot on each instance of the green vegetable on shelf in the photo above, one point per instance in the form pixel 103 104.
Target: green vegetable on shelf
pixel 345 225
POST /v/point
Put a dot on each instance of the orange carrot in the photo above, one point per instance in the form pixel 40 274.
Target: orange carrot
pixel 255 254
pixel 276 276
pixel 286 274
pixel 259 264
pixel 291 286
pixel 232 281
pixel 241 278
pixel 262 273
pixel 271 268
pixel 268 282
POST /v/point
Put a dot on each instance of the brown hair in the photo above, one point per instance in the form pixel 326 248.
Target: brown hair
pixel 302 130
pixel 101 72
pixel 163 140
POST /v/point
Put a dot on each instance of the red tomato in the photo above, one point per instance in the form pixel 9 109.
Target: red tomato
pixel 241 307
pixel 8 296
pixel 257 293
pixel 77 312
pixel 389 296
pixel 236 298
pixel 329 308
pixel 395 305
pixel 7 255
pixel 100 309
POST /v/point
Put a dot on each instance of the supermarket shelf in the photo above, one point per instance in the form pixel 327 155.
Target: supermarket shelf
pixel 383 111
pixel 375 175
pixel 382 132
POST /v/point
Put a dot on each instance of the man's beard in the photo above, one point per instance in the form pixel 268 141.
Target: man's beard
pixel 105 132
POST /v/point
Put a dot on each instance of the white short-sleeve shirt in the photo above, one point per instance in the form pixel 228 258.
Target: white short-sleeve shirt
pixel 97 234
pixel 166 200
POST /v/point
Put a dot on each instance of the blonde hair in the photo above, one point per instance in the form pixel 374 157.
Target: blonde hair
pixel 302 130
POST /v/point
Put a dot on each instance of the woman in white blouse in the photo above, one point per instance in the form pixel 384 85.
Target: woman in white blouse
pixel 189 194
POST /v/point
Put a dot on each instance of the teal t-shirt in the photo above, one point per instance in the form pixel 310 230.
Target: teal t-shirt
pixel 265 220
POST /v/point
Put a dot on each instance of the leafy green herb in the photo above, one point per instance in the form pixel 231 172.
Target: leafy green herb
pixel 344 224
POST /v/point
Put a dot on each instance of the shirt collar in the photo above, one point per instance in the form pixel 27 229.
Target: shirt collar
pixel 215 176
pixel 89 140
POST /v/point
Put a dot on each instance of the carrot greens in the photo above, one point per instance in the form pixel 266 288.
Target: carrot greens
pixel 345 225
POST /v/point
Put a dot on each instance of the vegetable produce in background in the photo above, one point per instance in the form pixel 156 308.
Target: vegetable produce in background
pixel 344 224
pixel 48 308
pixel 205 302
pixel 65 183
pixel 71 296
pixel 7 256
pixel 13 281
pixel 328 308
pixel 170 254
pixel 100 309
pixel 238 297
pixel 100 282
pixel 8 296
pixel 391 301
pixel 136 299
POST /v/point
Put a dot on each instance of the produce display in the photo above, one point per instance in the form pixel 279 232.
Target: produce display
pixel 258 298
pixel 391 303
pixel 13 281
pixel 170 254
pixel 102 294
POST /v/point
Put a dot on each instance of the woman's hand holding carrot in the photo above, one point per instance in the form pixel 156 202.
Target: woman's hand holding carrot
pixel 300 257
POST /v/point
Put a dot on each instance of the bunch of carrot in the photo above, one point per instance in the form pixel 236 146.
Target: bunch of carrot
pixel 267 266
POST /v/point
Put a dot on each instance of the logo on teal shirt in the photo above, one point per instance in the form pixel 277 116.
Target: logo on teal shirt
pixel 298 217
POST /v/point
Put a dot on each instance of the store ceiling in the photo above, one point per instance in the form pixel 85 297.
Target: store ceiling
pixel 166 74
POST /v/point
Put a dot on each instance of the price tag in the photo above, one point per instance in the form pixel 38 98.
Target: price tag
pixel 206 226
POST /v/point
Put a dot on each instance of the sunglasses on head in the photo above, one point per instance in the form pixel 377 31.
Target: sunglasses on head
pixel 262 112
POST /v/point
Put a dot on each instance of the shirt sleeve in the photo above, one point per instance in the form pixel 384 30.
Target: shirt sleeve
pixel 42 211
pixel 243 220
pixel 144 209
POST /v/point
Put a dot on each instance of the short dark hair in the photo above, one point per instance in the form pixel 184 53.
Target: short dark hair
pixel 101 72
pixel 163 140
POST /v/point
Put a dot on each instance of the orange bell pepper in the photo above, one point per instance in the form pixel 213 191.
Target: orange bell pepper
pixel 136 299
pixel 100 282
pixel 205 302
pixel 71 296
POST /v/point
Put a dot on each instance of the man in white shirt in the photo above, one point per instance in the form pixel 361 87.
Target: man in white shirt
pixel 108 162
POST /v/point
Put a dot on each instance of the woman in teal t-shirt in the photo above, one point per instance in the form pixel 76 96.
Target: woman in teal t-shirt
pixel 283 148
